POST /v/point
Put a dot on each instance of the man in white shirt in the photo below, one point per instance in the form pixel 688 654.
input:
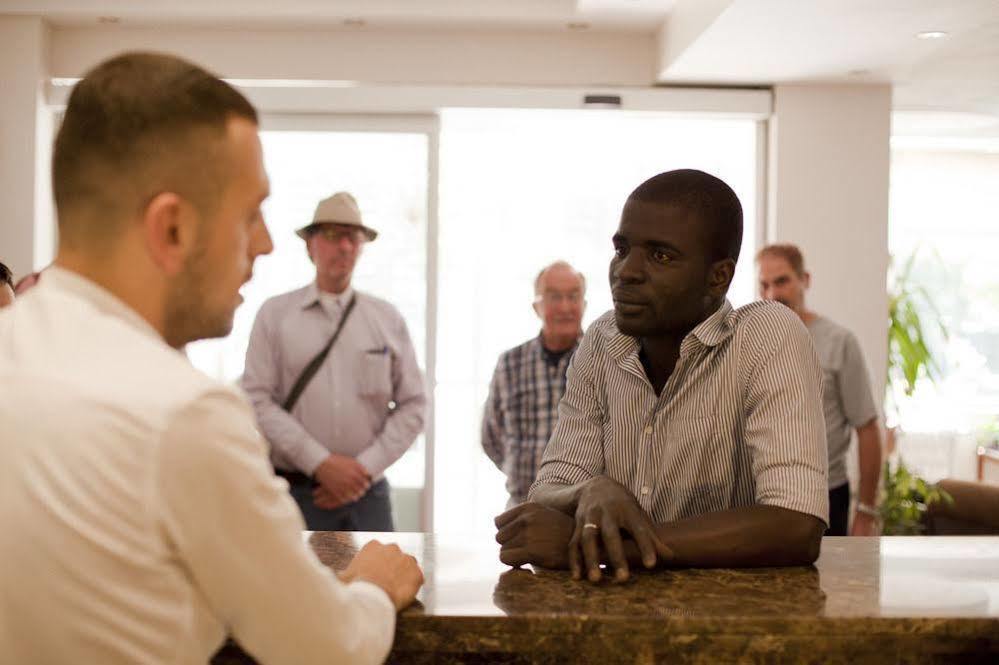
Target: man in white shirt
pixel 141 521
pixel 334 430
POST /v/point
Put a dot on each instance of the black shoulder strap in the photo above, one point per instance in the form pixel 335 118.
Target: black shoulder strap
pixel 314 364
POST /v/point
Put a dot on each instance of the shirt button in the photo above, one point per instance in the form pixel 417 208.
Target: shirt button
pixel 648 430
pixel 645 489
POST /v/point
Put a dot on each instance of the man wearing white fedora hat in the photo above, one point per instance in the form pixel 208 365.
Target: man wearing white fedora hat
pixel 333 378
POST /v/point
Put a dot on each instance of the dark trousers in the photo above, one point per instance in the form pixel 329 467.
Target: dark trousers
pixel 839 510
pixel 372 512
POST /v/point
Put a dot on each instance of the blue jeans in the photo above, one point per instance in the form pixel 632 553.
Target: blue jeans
pixel 372 512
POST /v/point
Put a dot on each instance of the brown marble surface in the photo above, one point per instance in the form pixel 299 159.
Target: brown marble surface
pixel 879 600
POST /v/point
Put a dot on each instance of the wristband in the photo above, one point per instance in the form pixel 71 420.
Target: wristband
pixel 868 509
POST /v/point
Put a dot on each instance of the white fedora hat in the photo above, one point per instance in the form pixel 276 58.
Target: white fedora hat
pixel 341 208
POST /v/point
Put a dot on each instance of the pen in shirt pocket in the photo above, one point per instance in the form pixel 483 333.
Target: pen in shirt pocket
pixel 380 351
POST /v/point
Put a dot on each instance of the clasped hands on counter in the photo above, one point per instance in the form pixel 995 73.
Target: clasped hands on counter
pixel 536 534
pixel 578 527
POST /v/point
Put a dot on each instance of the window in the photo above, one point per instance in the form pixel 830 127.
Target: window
pixel 387 172
pixel 944 206
pixel 520 189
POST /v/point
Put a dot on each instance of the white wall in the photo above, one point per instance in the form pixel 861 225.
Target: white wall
pixel 828 193
pixel 379 56
pixel 828 179
pixel 25 133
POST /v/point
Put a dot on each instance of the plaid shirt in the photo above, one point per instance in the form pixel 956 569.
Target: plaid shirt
pixel 521 412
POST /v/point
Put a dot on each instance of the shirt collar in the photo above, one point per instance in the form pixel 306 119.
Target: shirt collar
pixel 718 327
pixel 310 296
pixel 96 295
pixel 712 331
pixel 558 355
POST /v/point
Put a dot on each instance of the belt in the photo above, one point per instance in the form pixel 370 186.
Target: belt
pixel 294 477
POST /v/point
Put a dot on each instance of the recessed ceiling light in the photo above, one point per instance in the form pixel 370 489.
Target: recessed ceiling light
pixel 932 34
pixel 578 25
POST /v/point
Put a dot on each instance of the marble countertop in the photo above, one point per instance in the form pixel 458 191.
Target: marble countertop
pixel 912 600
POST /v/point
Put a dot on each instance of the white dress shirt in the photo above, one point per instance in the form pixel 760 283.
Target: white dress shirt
pixel 140 521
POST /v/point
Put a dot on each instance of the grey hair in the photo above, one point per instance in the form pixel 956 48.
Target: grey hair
pixel 557 264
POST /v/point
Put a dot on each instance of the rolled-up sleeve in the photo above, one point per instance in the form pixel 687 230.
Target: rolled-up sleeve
pixel 575 451
pixel 784 426
pixel 262 383
pixel 238 533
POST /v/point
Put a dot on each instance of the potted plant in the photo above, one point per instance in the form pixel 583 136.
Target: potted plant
pixel 905 497
pixel 909 356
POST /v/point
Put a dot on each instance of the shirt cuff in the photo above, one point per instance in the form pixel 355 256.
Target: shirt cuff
pixel 377 596
pixel 311 458
pixel 373 461
pixel 816 504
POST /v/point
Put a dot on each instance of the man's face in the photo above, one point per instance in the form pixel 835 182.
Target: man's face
pixel 560 302
pixel 660 273
pixel 334 249
pixel 6 295
pixel 204 297
pixel 778 281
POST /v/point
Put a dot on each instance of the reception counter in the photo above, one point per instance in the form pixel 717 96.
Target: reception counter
pixel 867 600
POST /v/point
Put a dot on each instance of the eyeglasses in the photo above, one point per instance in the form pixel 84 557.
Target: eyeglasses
pixel 556 298
pixel 335 233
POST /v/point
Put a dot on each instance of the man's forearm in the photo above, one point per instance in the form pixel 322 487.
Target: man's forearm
pixel 869 452
pixel 402 425
pixel 562 498
pixel 752 536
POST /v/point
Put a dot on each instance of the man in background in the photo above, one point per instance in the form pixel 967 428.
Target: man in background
pixel 529 381
pixel 848 401
pixel 334 431
pixel 141 519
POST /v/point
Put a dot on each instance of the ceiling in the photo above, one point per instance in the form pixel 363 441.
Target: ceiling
pixel 701 42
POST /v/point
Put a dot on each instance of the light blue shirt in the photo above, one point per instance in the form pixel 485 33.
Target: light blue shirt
pixel 368 399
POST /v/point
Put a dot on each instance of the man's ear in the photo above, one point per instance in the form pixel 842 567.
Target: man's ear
pixel 170 226
pixel 720 277
pixel 536 306
pixel 308 249
pixel 807 278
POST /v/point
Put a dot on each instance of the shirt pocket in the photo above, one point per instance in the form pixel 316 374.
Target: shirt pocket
pixel 375 374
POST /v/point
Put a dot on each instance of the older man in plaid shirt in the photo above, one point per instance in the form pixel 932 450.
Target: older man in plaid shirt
pixel 529 380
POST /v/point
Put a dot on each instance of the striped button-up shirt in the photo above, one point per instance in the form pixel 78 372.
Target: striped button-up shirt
pixel 738 423
pixel 521 412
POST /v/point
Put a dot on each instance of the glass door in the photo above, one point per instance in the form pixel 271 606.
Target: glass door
pixel 385 163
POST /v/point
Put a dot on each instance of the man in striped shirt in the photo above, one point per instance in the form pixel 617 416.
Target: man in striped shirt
pixel 690 434
pixel 529 380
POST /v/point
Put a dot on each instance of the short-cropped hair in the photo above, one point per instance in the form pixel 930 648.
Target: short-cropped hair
pixel 708 197
pixel 137 125
pixel 788 252
pixel 6 276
